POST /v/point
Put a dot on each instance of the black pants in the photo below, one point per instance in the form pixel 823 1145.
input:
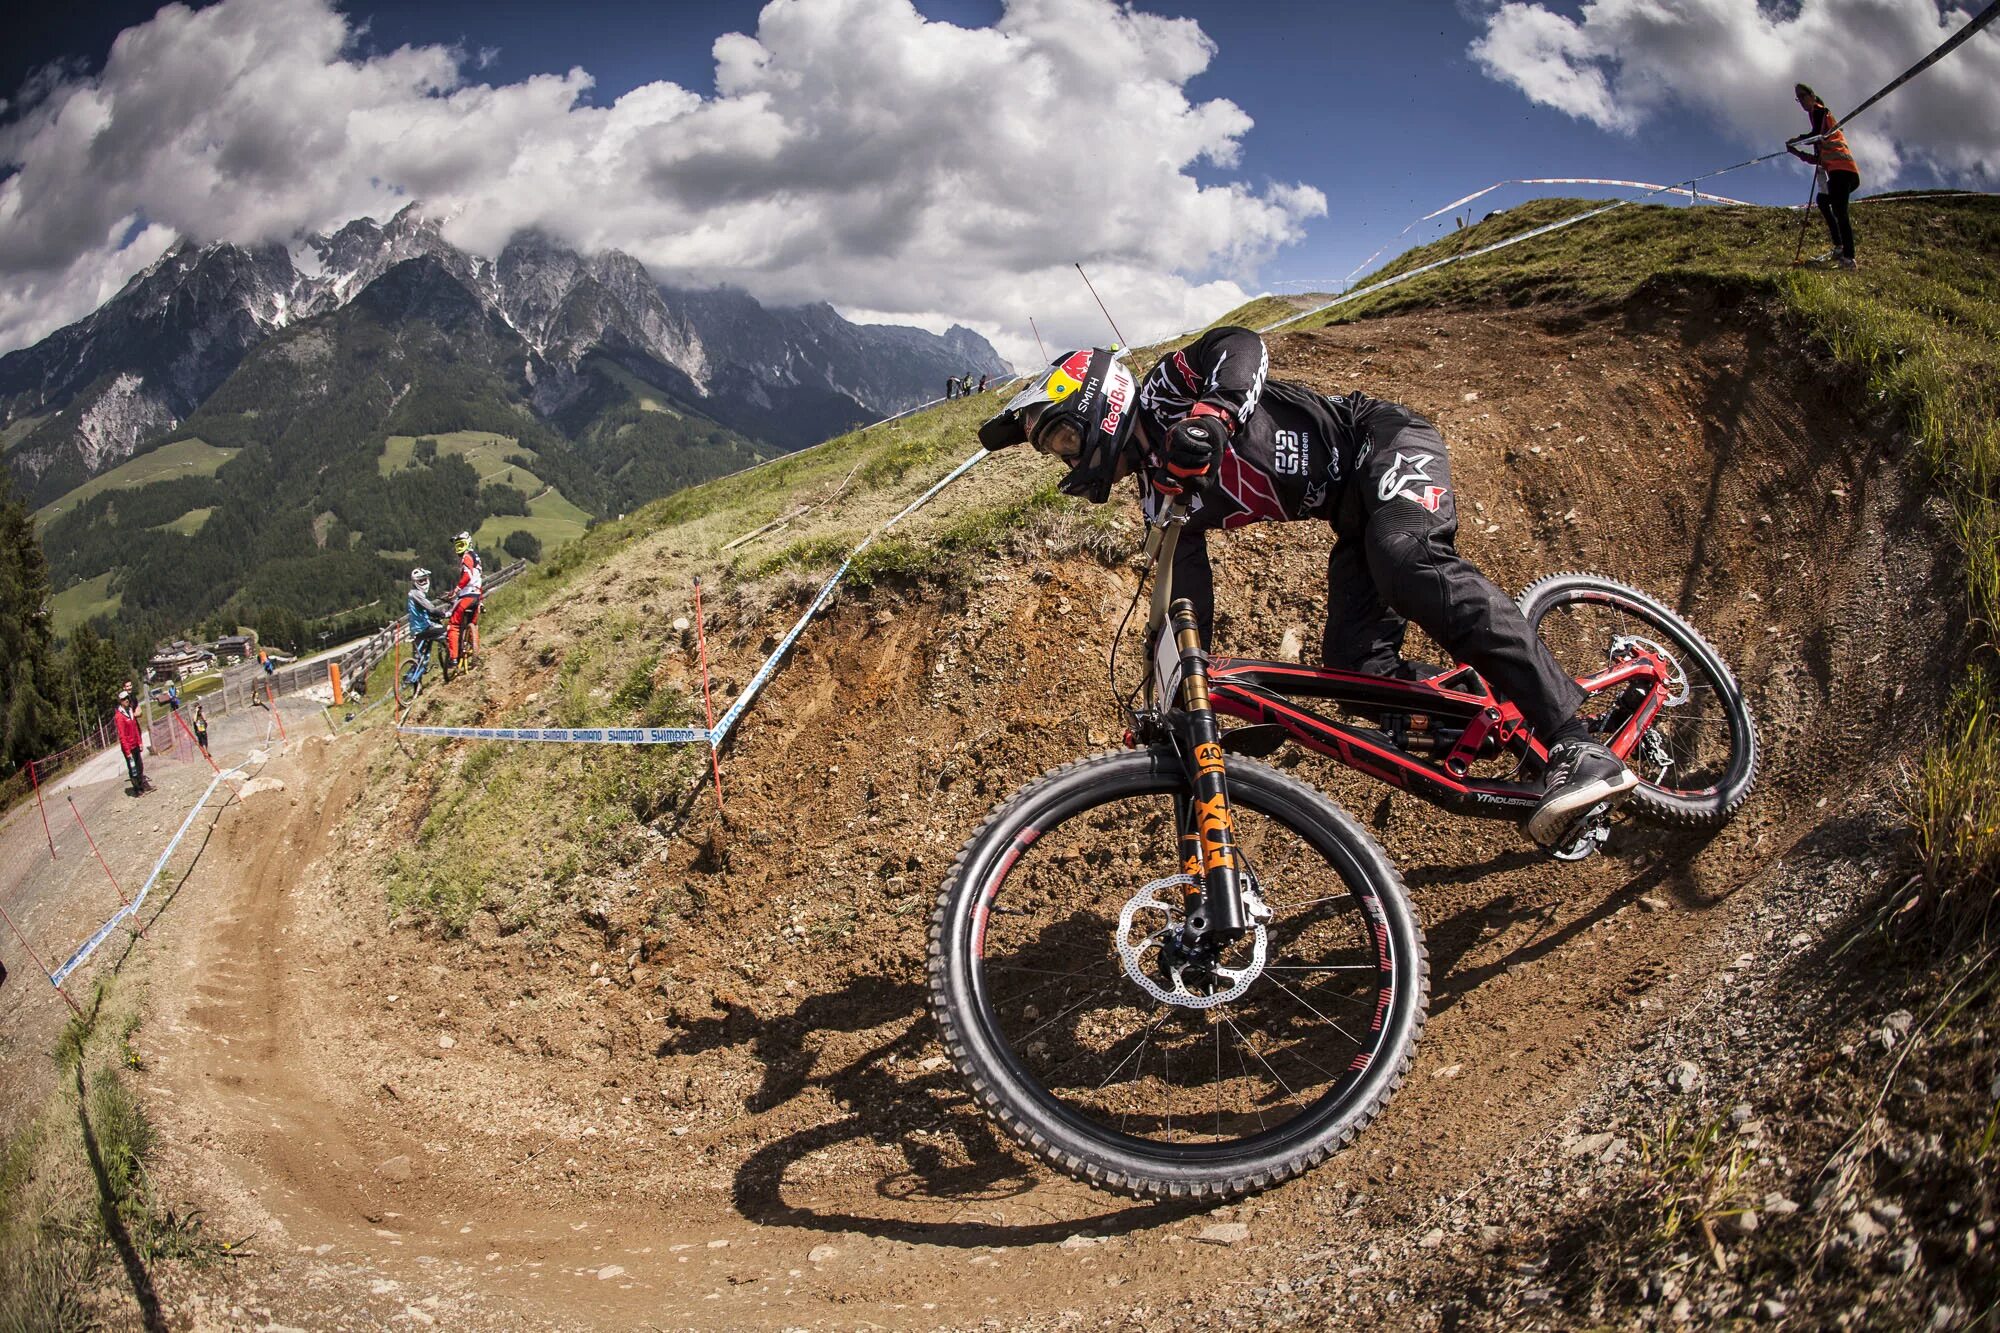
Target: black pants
pixel 1396 562
pixel 1833 207
pixel 135 768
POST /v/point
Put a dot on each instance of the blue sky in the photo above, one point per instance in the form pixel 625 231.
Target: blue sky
pixel 1378 104
pixel 1386 111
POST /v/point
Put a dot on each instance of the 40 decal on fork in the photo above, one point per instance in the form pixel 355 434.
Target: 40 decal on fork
pixel 1173 971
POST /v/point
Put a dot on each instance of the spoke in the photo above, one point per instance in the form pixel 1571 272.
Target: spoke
pixel 1217 1083
pixel 1044 971
pixel 1310 902
pixel 1064 1014
pixel 1260 1060
pixel 1037 990
pixel 1139 1051
pixel 1244 1065
pixel 1319 967
pixel 1300 1000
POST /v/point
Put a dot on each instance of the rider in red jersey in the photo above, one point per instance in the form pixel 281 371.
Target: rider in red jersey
pixel 466 597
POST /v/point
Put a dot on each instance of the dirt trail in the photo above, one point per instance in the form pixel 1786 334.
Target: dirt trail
pixel 715 1101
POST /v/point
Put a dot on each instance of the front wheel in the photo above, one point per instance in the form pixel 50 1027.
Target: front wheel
pixel 1698 760
pixel 1064 999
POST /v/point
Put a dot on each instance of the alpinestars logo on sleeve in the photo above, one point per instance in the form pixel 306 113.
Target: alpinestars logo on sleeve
pixel 1403 472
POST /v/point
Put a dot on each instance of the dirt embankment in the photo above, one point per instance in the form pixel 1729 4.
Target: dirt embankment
pixel 714 1100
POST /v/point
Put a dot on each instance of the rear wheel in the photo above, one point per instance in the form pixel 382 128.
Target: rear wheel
pixel 1063 996
pixel 1697 762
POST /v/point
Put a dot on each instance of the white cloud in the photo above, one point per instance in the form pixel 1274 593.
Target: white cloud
pixel 1619 61
pixel 854 152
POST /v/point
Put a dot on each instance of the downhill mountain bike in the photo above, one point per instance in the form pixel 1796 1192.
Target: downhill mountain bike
pixel 410 679
pixel 1173 971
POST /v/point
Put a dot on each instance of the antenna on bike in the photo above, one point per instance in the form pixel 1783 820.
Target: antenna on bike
pixel 1100 304
pixel 1038 339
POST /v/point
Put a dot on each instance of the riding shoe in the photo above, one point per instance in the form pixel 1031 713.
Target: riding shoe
pixel 1581 774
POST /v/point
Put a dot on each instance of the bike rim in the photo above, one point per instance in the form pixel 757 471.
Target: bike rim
pixel 1693 749
pixel 1165 1080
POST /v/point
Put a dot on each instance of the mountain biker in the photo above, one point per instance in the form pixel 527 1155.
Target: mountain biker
pixel 466 595
pixel 426 617
pixel 1830 153
pixel 1205 425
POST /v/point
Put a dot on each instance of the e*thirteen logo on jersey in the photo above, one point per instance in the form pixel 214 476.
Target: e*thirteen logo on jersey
pixel 1406 470
pixel 1289 452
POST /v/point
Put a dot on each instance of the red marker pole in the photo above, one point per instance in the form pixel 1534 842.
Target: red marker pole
pixel 708 708
pixel 30 949
pixel 274 710
pixel 36 779
pixel 116 887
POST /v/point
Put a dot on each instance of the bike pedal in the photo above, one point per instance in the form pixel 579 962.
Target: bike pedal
pixel 1587 835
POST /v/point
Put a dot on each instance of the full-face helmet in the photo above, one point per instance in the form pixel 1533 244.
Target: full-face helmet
pixel 461 543
pixel 420 579
pixel 1080 410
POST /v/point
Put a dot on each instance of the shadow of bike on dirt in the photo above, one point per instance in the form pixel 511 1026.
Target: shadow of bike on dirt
pixel 1658 859
pixel 955 1165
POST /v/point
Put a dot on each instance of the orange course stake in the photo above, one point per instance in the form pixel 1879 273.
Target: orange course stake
pixel 36 779
pixel 274 711
pixel 701 638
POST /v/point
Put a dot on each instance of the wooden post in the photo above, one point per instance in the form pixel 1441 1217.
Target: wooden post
pixel 701 638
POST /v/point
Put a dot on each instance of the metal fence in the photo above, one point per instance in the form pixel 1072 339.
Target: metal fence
pixel 248 689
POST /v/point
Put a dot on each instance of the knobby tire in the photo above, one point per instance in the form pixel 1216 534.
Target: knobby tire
pixel 1306 832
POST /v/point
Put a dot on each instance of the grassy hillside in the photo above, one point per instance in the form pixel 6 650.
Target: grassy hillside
pixel 170 462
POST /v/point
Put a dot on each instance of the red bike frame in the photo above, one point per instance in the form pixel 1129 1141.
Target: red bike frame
pixel 1454 715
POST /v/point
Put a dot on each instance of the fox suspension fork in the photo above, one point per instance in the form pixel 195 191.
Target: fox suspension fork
pixel 1215 913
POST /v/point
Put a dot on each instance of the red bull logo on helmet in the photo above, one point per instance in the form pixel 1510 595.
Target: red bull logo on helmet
pixel 1067 377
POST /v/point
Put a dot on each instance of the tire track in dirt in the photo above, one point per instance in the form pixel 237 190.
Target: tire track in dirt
pixel 617 1097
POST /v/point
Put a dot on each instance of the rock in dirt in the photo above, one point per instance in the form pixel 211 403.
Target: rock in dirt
pixel 258 786
pixel 1432 1239
pixel 1224 1233
pixel 446 1041
pixel 610 1271
pixel 821 1253
pixel 397 1168
pixel 1686 1076
pixel 1863 1227
pixel 1777 1205
pixel 1082 1242
pixel 1588 1145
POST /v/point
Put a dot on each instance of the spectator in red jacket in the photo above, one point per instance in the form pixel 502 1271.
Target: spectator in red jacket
pixel 132 740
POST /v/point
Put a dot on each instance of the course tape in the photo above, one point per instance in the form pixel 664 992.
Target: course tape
pixel 735 711
pixel 1692 194
pixel 770 667
pixel 89 946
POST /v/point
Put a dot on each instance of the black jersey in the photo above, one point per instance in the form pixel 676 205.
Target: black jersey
pixel 1291 448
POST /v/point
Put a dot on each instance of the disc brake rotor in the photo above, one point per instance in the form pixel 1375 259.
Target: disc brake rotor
pixel 1151 922
pixel 1679 688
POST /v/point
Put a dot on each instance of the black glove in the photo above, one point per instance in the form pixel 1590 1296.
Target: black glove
pixel 1194 446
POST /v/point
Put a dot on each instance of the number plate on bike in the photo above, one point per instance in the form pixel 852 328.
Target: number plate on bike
pixel 1166 669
